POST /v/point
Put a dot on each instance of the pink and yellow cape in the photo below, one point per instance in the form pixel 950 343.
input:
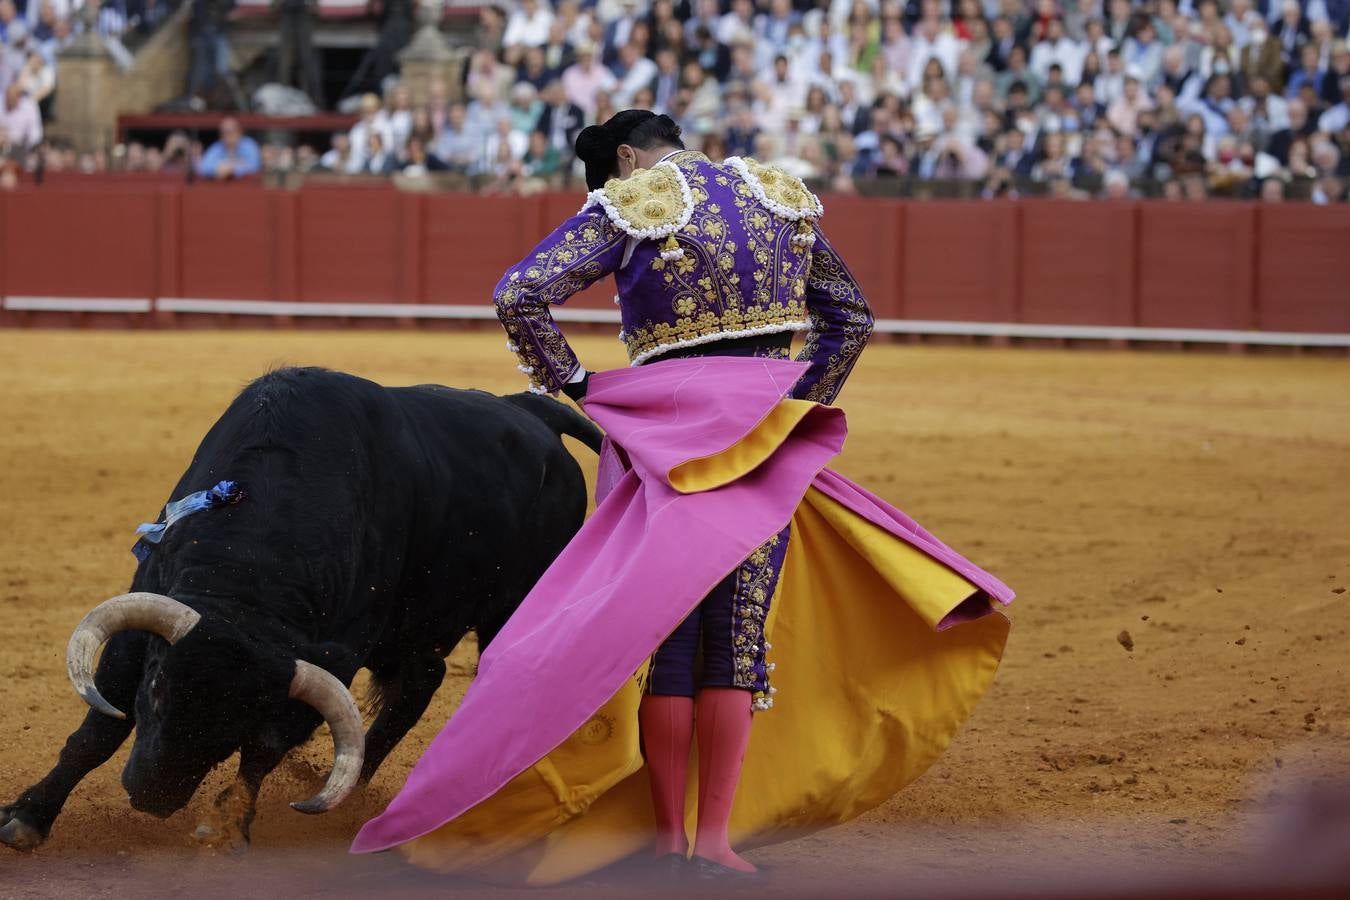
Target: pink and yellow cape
pixel 883 638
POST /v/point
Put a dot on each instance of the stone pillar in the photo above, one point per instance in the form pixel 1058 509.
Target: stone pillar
pixel 428 56
pixel 84 112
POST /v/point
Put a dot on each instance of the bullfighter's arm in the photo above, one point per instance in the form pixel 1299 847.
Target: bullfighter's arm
pixel 841 323
pixel 584 249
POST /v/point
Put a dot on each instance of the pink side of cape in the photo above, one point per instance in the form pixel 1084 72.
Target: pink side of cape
pixel 646 557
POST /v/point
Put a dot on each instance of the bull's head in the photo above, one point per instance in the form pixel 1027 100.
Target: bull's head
pixel 179 736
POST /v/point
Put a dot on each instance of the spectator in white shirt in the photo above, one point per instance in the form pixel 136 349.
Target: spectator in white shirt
pixel 1240 19
pixel 399 118
pixel 1057 47
pixel 19 119
pixel 825 38
pixel 575 23
pixel 784 90
pixel 503 151
pixel 373 119
pixel 738 24
pixel 1110 84
pixel 1143 52
pixel 932 98
pixel 528 25
pixel 930 41
pixel 634 72
pixel 1267 111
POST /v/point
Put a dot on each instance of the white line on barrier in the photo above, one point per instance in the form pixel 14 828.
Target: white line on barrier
pixel 485 312
pixel 365 310
pixel 354 310
pixel 79 304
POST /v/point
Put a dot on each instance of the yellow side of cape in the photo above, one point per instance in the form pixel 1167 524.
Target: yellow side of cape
pixel 869 694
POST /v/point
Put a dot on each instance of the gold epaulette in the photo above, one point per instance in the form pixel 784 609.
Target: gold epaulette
pixel 784 195
pixel 650 203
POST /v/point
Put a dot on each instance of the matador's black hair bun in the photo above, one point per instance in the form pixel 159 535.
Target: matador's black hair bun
pixel 598 145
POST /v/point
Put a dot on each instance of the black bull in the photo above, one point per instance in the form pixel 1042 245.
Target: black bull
pixel 377 527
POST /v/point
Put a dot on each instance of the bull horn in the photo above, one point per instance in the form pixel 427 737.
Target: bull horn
pixel 328 696
pixel 141 611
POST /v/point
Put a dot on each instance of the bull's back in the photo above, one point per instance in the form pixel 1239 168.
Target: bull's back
pixel 501 497
pixel 492 454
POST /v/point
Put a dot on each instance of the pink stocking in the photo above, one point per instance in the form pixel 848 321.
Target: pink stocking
pixel 667 725
pixel 723 718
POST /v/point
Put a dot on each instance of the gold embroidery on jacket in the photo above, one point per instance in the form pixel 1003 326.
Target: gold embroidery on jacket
pixel 706 292
pixel 552 275
pixel 831 283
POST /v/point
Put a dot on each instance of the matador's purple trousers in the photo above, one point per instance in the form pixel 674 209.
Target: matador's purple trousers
pixel 729 628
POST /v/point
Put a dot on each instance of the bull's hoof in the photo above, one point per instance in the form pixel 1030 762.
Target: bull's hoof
pixel 19 835
pixel 221 838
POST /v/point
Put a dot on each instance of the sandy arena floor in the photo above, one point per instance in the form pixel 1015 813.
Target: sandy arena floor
pixel 1197 502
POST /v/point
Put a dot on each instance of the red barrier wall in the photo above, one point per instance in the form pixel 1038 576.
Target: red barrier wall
pixel 1213 265
pixel 959 261
pixel 1094 283
pixel 227 246
pixel 83 243
pixel 1197 265
pixel 1303 278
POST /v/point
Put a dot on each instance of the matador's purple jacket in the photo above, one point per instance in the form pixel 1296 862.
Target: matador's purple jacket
pixel 700 252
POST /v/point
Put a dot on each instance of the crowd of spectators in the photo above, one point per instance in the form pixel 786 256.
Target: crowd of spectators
pixel 1069 97
pixel 32 32
pixel 1072 98
pixel 1174 97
